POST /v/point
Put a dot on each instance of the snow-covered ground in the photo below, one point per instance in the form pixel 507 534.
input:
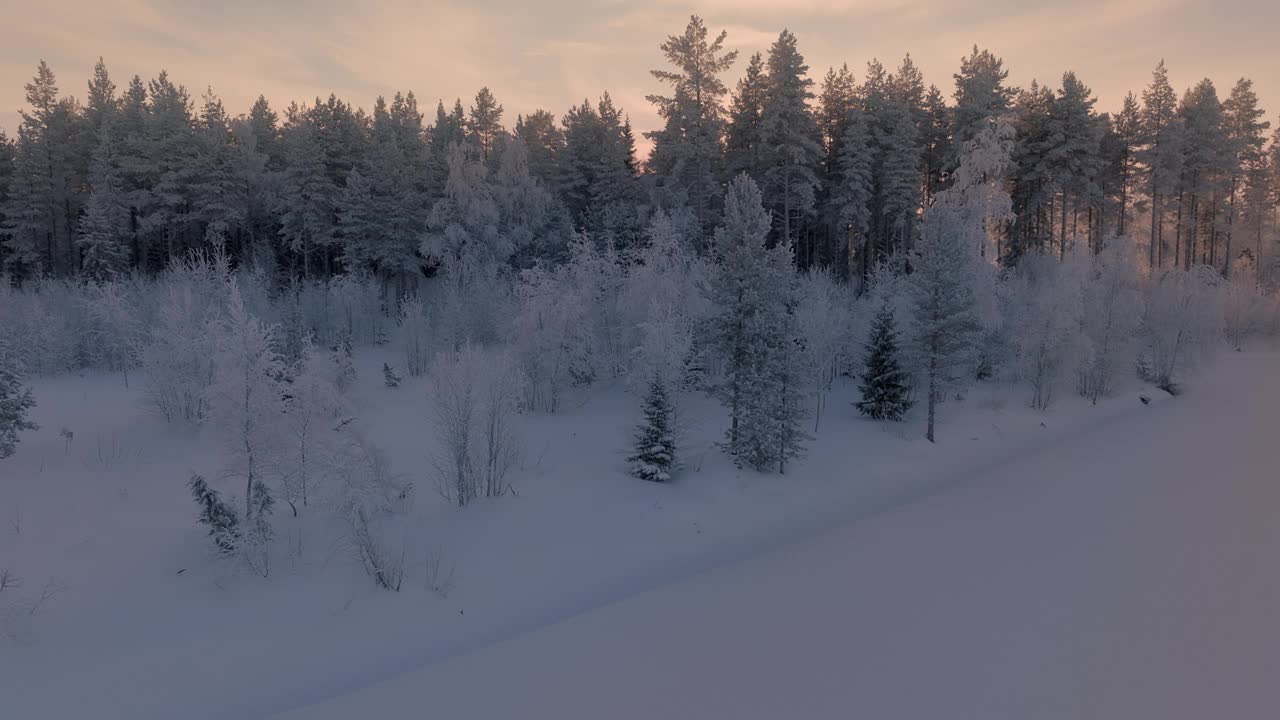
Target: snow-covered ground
pixel 1111 561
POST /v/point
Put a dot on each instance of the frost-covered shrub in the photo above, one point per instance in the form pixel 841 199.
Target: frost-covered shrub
pixel 550 337
pixel 475 396
pixel 1047 307
pixel 1112 312
pixel 414 334
pixel 178 361
pixel 1183 320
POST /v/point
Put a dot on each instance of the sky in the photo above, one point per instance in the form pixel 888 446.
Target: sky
pixel 553 53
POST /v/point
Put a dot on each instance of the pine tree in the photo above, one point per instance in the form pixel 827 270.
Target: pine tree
pixel 215 514
pixel 980 94
pixel 884 382
pixel 936 140
pixel 654 456
pixel 170 164
pixel 1204 171
pixel 1128 129
pixel 29 213
pixel 308 197
pixel 545 141
pixel 485 122
pixel 389 376
pixel 688 151
pixel 101 104
pixel 851 197
pixel 104 229
pixel 1246 135
pixel 1161 131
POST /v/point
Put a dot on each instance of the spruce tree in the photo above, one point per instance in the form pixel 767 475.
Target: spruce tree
pixel 654 458
pixel 389 376
pixel 215 514
pixel 790 142
pixel 744 141
pixel 753 288
pixel 15 402
pixel 884 388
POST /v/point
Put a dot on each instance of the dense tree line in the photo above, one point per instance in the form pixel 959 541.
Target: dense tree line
pixel 1000 235
pixel 130 178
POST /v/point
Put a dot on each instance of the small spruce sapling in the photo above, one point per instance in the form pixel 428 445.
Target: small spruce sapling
pixel 389 376
pixel 654 458
pixel 216 515
pixel 884 388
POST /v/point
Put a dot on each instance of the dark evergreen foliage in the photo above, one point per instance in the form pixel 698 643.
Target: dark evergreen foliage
pixel 885 393
pixel 219 517
pixel 654 458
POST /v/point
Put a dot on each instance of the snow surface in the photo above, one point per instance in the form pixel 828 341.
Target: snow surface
pixel 1118 561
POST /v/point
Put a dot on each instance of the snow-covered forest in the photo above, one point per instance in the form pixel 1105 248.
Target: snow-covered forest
pixel 804 256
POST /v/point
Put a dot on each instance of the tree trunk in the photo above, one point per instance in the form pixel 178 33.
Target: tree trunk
pixel 933 396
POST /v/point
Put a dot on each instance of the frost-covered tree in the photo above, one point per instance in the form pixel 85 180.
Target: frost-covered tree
pixel 414 333
pixel 1112 311
pixel 653 454
pixel 1246 138
pixel 311 402
pixel 944 322
pixel 116 325
pixel 344 363
pixel 104 229
pixel 752 288
pixel 246 398
pixel 465 237
pixel 16 401
pixel 661 306
pixel 980 95
pixel 1048 311
pixel 1242 307
pixel 821 319
pixel 550 336
pixel 885 384
pixel 178 361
